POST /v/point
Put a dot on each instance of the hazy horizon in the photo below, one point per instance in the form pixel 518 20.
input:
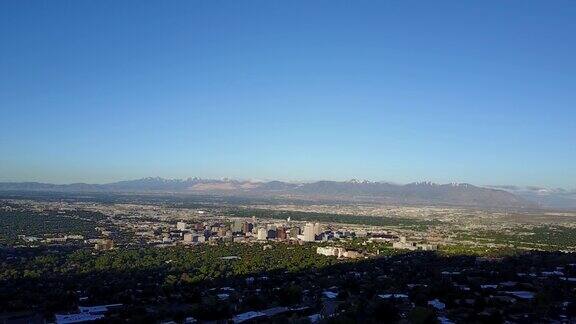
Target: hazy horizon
pixel 479 93
pixel 487 185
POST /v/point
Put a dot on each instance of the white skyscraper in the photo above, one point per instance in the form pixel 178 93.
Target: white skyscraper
pixel 309 234
pixel 237 226
pixel 317 229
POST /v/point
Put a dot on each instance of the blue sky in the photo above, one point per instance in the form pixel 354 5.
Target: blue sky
pixel 481 92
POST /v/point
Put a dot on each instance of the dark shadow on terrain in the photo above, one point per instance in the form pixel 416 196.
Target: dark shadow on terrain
pixel 465 284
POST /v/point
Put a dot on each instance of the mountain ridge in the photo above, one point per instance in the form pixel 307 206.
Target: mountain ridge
pixel 463 194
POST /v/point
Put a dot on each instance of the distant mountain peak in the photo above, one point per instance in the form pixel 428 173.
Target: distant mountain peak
pixel 424 192
pixel 356 181
pixel 423 183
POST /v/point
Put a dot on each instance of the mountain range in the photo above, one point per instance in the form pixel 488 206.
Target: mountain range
pixel 545 197
pixel 461 194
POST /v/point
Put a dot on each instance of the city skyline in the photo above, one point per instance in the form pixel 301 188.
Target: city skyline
pixel 300 91
pixel 305 161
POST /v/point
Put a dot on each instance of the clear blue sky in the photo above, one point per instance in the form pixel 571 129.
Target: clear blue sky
pixel 468 91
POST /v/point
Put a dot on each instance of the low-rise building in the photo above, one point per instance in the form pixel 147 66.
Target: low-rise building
pixel 104 245
pixel 338 252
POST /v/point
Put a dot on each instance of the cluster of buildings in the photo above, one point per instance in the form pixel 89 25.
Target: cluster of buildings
pixel 104 244
pixel 136 224
pixel 86 314
pixel 51 240
pixel 456 289
pixel 144 225
pixel 235 230
pixel 338 252
pixel 413 246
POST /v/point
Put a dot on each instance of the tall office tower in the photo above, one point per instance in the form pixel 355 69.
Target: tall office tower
pixel 317 229
pixel 181 226
pixel 237 226
pixel 294 232
pixel 309 234
pixel 262 233
pixel 281 233
pixel 246 228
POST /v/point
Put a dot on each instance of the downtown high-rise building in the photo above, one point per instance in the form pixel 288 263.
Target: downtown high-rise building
pixel 294 232
pixel 317 229
pixel 309 234
pixel 262 234
pixel 247 228
pixel 281 233
pixel 237 226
